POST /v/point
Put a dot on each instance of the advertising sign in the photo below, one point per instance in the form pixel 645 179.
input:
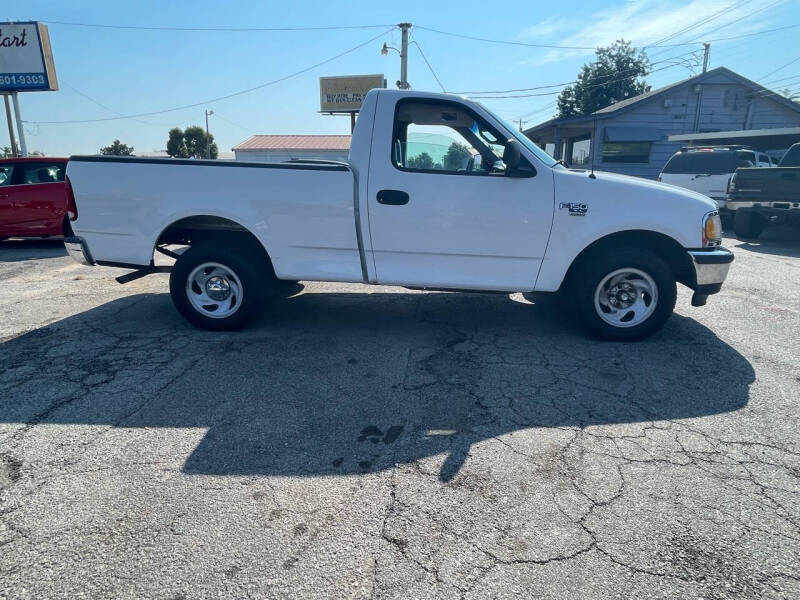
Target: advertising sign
pixel 345 94
pixel 26 60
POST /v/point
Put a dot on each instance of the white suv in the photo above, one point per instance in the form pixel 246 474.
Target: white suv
pixel 708 169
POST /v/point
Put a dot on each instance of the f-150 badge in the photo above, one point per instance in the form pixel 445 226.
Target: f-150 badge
pixel 576 209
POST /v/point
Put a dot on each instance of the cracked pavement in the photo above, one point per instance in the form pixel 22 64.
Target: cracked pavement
pixel 375 442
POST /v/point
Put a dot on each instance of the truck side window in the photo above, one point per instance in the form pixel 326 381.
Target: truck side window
pixel 444 138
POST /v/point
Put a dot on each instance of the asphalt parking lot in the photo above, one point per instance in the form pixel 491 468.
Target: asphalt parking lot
pixel 371 442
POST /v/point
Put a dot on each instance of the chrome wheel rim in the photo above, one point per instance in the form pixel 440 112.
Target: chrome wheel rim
pixel 214 290
pixel 626 297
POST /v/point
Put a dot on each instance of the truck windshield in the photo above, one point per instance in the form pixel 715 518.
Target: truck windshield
pixel 525 141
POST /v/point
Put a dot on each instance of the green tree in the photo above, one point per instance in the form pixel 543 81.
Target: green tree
pixel 117 148
pixel 191 143
pixel 613 76
pixel 176 146
pixel 422 161
pixel 456 157
pixel 5 152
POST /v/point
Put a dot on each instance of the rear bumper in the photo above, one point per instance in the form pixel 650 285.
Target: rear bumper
pixel 79 250
pixel 710 269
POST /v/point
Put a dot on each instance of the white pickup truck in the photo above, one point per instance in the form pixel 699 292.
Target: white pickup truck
pixel 482 208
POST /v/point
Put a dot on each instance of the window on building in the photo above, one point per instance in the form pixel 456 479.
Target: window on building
pixel 626 152
pixel 580 152
pixel 550 149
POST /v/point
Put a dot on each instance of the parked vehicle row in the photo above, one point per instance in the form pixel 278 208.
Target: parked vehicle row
pixel 515 220
pixel 709 169
pixel 33 201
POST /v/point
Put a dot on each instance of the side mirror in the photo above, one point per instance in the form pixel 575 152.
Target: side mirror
pixel 516 166
pixel 511 155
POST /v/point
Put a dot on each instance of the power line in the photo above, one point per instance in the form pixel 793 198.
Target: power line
pixel 101 105
pixel 506 42
pixel 225 97
pixel 791 62
pixel 224 29
pixel 699 23
pixel 425 58
pixel 587 87
pixel 552 85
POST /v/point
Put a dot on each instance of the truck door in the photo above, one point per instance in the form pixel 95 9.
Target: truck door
pixel 6 199
pixel 39 199
pixel 442 212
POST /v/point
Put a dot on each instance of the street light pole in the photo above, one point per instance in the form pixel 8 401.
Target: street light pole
pixel 208 143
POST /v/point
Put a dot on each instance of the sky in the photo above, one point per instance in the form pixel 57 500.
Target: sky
pixel 111 72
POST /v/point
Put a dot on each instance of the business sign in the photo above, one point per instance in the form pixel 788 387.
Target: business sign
pixel 26 60
pixel 345 94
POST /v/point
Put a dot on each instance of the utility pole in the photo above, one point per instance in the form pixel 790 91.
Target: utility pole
pixel 208 143
pixel 403 83
pixel 706 55
pixel 14 152
pixel 520 124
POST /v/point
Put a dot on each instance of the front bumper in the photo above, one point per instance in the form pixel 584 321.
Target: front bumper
pixel 710 268
pixel 79 250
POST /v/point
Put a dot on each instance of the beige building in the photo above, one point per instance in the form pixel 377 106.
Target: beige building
pixel 280 148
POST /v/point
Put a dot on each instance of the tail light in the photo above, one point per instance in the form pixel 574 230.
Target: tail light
pixel 72 208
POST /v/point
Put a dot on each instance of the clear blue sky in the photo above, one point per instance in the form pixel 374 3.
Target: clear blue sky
pixel 135 71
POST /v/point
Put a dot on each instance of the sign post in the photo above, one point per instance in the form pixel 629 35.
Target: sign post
pixel 344 95
pixel 26 65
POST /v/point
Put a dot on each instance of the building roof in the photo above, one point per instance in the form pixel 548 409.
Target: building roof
pixel 294 142
pixel 628 103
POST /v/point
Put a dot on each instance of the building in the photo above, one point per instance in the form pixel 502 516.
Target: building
pixel 638 135
pixel 280 148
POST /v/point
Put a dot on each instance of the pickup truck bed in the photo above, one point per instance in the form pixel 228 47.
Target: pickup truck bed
pixel 761 197
pixel 306 211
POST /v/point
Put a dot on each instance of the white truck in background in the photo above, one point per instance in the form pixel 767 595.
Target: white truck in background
pixel 407 213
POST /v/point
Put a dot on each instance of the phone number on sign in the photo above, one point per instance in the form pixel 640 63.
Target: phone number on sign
pixel 22 80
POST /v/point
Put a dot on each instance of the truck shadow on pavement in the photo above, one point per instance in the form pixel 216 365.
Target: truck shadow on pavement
pixel 335 383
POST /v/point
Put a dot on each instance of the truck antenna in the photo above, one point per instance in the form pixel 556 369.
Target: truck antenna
pixel 593 147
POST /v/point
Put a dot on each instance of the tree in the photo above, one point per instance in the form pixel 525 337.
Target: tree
pixel 6 152
pixel 117 148
pixel 614 76
pixel 176 146
pixel 193 142
pixel 423 161
pixel 456 157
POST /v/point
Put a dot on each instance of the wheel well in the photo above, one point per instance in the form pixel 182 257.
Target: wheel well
pixel 664 246
pixel 207 228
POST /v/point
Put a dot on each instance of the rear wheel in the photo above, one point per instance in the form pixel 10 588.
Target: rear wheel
pixel 747 224
pixel 625 294
pixel 219 286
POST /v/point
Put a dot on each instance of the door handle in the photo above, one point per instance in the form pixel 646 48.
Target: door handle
pixel 3 195
pixel 392 197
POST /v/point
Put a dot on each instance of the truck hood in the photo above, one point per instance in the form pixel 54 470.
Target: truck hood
pixel 610 203
pixel 643 190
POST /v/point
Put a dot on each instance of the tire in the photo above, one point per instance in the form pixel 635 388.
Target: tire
pixel 747 224
pixel 241 290
pixel 614 280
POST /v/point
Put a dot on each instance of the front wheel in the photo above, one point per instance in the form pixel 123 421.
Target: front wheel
pixel 216 286
pixel 625 294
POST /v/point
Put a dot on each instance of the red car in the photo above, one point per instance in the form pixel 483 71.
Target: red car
pixel 33 198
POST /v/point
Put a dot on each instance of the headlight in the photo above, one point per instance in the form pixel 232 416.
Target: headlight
pixel 712 229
